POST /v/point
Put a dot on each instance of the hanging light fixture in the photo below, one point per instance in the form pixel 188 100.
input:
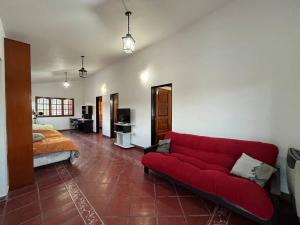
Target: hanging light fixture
pixel 66 83
pixel 128 41
pixel 82 71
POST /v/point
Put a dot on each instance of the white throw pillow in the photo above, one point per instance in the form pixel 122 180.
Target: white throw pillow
pixel 37 137
pixel 164 146
pixel 252 169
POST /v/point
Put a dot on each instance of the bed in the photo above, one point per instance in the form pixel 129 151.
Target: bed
pixel 55 147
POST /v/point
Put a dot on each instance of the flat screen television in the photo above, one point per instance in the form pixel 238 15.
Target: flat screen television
pixel 123 115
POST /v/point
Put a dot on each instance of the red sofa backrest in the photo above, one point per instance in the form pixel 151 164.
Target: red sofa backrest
pixel 221 150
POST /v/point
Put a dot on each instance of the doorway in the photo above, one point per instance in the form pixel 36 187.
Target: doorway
pixel 161 111
pixel 114 105
pixel 99 114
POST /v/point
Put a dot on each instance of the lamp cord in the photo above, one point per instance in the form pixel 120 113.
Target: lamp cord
pixel 128 24
pixel 124 4
pixel 128 15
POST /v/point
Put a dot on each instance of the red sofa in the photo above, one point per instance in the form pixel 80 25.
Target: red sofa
pixel 203 164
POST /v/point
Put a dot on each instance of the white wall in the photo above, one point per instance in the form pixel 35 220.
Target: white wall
pixel 3 145
pixel 235 73
pixel 56 89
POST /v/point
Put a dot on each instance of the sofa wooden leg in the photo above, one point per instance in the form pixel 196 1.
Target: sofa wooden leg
pixel 146 170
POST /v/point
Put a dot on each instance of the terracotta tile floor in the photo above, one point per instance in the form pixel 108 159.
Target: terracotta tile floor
pixel 107 185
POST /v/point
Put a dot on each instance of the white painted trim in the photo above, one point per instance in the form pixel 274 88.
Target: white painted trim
pixel 5 192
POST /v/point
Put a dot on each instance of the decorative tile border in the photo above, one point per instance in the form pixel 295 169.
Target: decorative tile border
pixel 84 207
pixel 221 216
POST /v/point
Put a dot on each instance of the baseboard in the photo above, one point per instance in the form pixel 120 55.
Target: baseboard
pixel 3 195
pixel 105 136
pixel 66 129
pixel 139 147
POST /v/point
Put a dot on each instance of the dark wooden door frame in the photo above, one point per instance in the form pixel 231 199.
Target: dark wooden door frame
pixel 98 98
pixel 112 114
pixel 153 107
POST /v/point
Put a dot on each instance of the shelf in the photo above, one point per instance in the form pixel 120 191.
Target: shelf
pixel 123 133
pixel 124 146
pixel 124 124
pixel 118 132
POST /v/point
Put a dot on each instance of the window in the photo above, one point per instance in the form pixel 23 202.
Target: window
pixel 54 107
pixel 42 106
pixel 68 107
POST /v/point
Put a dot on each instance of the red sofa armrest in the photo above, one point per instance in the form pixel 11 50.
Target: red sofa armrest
pixel 150 149
pixel 275 183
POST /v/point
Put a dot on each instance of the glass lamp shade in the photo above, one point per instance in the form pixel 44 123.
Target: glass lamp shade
pixel 66 84
pixel 128 43
pixel 83 73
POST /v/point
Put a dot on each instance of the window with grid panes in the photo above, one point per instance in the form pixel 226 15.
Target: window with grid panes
pixel 54 107
pixel 43 106
pixel 68 107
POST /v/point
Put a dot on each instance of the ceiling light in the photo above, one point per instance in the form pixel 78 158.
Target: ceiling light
pixel 82 71
pixel 66 83
pixel 128 41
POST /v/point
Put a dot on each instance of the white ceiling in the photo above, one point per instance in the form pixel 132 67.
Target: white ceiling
pixel 60 31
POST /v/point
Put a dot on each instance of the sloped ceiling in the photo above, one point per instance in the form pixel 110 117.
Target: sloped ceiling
pixel 60 31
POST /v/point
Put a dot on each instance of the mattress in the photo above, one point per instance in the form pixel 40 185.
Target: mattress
pixel 49 158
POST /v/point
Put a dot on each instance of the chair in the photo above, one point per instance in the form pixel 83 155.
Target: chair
pixel 74 123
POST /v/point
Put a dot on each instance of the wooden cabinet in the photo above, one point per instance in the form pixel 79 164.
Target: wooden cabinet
pixel 18 113
pixel 87 111
pixel 85 125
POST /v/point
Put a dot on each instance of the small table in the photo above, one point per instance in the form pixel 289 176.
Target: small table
pixel 123 131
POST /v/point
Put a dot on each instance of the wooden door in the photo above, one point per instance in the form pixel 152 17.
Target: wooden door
pixel 114 105
pixel 18 113
pixel 100 111
pixel 163 112
pixel 99 114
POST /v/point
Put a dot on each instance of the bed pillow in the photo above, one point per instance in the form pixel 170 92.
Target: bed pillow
pixel 164 146
pixel 37 137
pixel 252 169
pixel 42 127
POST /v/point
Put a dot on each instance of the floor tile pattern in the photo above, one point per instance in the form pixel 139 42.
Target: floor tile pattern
pixel 85 209
pixel 107 186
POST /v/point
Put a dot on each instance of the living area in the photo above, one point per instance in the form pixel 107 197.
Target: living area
pixel 212 89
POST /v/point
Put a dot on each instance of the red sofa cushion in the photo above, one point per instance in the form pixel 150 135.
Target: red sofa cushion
pixel 199 163
pixel 221 150
pixel 205 163
pixel 238 191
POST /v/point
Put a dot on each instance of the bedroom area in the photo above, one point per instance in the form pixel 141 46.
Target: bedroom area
pixel 54 108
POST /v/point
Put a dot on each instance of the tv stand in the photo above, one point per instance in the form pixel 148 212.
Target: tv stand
pixel 123 133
